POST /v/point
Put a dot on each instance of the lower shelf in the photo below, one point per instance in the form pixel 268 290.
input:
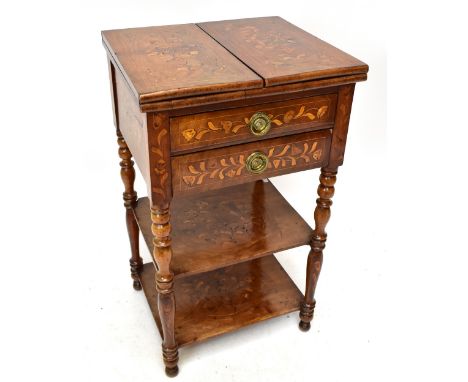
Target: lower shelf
pixel 226 299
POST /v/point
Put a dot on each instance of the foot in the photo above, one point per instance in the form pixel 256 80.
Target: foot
pixel 136 284
pixel 304 326
pixel 172 372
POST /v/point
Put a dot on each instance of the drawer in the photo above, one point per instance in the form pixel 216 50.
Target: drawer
pixel 243 163
pixel 252 123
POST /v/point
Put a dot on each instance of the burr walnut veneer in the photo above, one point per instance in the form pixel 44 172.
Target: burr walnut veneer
pixel 208 112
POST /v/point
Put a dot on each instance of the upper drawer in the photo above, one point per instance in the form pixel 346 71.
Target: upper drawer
pixel 251 123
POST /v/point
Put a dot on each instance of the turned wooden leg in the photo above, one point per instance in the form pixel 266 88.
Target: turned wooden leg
pixel 127 172
pixel 162 254
pixel 325 191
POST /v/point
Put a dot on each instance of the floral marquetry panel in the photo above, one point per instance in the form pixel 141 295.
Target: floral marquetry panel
pixel 224 167
pixel 281 52
pixel 230 126
pixel 176 60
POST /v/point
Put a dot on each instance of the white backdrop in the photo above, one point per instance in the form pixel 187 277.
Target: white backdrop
pixel 391 300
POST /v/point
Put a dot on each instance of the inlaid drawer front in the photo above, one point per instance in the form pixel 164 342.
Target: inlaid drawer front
pixel 252 123
pixel 251 161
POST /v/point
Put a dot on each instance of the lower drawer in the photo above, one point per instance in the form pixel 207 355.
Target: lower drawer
pixel 228 166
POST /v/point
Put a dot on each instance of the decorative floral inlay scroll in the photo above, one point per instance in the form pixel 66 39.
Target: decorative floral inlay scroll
pixel 283 47
pixel 160 165
pixel 238 221
pixel 302 114
pixel 290 155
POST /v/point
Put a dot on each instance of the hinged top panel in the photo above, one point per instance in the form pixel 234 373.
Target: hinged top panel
pixel 179 61
pixel 176 61
pixel 281 52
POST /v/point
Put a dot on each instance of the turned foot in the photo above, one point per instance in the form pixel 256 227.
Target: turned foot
pixel 304 326
pixel 172 371
pixel 136 284
pixel 135 269
pixel 306 315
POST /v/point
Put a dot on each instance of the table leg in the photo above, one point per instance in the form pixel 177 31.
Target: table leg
pixel 127 173
pixel 325 191
pixel 162 254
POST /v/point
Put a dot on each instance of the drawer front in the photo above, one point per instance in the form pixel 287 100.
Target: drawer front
pixel 234 125
pixel 228 166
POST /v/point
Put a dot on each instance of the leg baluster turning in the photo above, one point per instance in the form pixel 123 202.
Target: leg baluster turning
pixel 127 172
pixel 325 191
pixel 162 254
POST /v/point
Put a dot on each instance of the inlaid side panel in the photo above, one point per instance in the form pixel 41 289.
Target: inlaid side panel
pixel 228 166
pixel 232 126
pixel 340 131
pixel 160 163
pixel 132 124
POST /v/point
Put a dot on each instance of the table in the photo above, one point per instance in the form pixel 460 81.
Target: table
pixel 209 112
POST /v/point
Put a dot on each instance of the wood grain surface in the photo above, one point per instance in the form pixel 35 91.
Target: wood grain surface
pixel 222 100
pixel 281 52
pixel 340 130
pixel 217 168
pixel 169 67
pixel 132 124
pixel 217 229
pixel 227 299
pixel 175 60
pixel 207 130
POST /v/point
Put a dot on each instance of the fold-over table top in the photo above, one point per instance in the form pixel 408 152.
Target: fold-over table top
pixel 176 61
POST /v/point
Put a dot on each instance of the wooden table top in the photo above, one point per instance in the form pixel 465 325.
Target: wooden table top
pixel 280 52
pixel 167 62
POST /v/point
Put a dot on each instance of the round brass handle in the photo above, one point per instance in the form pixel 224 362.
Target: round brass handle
pixel 259 124
pixel 256 163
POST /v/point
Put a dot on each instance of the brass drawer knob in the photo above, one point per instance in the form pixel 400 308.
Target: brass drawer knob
pixel 259 124
pixel 256 163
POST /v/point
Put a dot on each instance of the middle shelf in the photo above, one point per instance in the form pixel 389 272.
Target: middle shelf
pixel 219 228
